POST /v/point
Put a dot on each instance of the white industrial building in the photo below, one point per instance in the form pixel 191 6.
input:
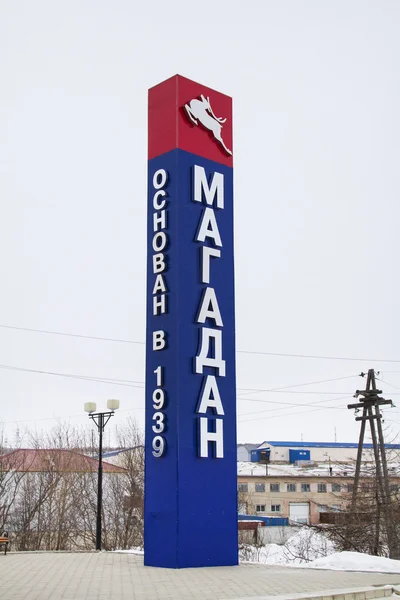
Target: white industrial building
pixel 294 452
pixel 244 452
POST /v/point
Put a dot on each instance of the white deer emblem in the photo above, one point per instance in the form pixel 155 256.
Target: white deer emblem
pixel 200 110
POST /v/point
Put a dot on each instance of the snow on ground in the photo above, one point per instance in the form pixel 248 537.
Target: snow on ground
pixel 310 549
pixel 131 551
pixel 355 561
pixel 305 545
pixel 316 470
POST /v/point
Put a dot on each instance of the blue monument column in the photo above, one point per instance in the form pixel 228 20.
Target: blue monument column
pixel 190 447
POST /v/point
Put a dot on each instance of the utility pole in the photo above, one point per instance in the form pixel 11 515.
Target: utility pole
pixel 370 401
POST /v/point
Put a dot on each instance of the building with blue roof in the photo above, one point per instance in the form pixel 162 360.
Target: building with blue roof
pixel 295 452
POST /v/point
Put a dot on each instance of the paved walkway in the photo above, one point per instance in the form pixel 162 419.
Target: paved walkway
pixel 114 576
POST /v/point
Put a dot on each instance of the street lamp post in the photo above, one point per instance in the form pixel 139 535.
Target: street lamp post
pixel 100 419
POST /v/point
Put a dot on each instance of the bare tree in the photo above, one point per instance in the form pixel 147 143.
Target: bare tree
pixel 123 495
pixel 48 494
pixel 366 527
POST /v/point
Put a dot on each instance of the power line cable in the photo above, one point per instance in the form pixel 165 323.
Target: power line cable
pixel 255 352
pixel 319 356
pixel 259 390
pixel 292 414
pixel 74 335
pixel 140 384
pixel 387 383
pixel 385 371
pixel 300 412
pixel 129 382
pixel 65 416
pixel 73 376
pixel 278 391
pixel 257 412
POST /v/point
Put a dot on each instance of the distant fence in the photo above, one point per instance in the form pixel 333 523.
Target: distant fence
pixel 344 518
pixel 267 521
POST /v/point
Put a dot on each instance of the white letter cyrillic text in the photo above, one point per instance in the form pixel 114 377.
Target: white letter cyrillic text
pixel 160 178
pixel 159 341
pixel 210 396
pixel 216 438
pixel 206 254
pixel 159 305
pixel 158 263
pixel 159 285
pixel 209 308
pixel 160 220
pixel 156 204
pixel 210 192
pixel 210 338
pixel 159 241
pixel 209 228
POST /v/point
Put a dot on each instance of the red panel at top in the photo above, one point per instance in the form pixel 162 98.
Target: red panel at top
pixel 187 115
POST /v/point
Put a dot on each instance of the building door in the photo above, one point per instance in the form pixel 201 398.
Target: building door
pixel 299 512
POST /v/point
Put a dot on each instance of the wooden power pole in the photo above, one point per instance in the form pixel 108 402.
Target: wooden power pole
pixel 369 402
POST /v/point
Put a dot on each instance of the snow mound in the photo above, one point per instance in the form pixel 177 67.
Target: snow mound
pixel 355 561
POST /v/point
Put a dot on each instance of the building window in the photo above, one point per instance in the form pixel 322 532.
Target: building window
pixel 243 487
pixel 275 508
pixel 305 487
pixel 350 487
pixel 274 487
pixel 394 488
pixel 336 487
pixel 260 508
pixel 322 488
pixel 335 507
pixel 260 487
pixel 322 508
pixel 291 487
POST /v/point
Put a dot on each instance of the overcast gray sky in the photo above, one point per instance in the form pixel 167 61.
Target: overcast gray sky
pixel 317 128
